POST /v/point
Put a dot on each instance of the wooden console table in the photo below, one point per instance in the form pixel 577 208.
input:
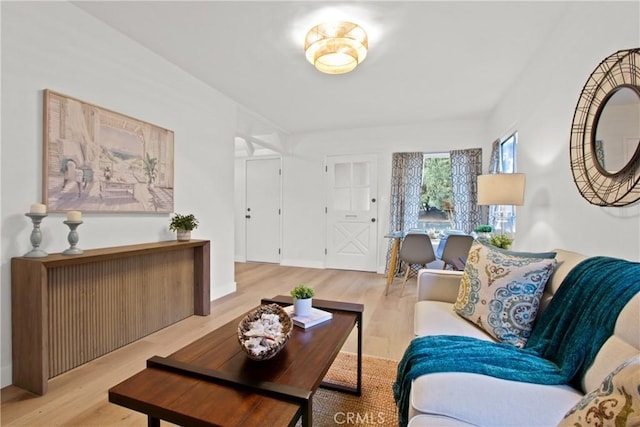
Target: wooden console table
pixel 68 310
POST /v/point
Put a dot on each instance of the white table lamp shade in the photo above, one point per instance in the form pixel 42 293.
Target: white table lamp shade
pixel 501 189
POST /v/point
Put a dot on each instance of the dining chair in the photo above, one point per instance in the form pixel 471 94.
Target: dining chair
pixel 456 248
pixel 415 250
pixel 443 241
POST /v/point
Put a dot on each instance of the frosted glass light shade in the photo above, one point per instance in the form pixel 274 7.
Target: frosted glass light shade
pixel 336 48
pixel 501 189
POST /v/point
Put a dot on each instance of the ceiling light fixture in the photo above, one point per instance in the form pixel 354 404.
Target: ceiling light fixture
pixel 336 48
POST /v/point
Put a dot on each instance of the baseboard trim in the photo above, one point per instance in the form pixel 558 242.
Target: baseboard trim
pixel 301 263
pixel 219 292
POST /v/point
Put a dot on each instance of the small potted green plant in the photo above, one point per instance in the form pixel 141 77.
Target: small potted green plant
pixel 183 225
pixel 501 241
pixel 483 233
pixel 302 298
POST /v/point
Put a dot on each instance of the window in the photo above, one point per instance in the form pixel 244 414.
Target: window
pixel 508 154
pixel 506 222
pixel 436 210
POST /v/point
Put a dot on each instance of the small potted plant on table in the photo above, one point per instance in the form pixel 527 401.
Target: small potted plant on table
pixel 501 241
pixel 302 298
pixel 183 225
pixel 483 231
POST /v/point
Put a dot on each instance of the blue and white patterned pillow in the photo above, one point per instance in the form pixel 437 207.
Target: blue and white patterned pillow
pixel 615 403
pixel 501 291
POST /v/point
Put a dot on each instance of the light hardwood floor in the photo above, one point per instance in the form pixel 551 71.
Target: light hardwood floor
pixel 79 397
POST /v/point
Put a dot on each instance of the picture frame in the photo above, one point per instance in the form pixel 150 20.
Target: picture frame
pixel 99 160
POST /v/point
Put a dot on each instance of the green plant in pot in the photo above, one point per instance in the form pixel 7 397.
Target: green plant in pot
pixel 483 232
pixel 302 298
pixel 501 241
pixel 183 225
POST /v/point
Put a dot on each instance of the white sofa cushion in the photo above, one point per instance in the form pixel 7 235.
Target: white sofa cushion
pixel 487 401
pixel 438 285
pixel 615 402
pixel 500 291
pixel 566 260
pixel 427 420
pixel 627 323
pixel 621 346
pixel 438 318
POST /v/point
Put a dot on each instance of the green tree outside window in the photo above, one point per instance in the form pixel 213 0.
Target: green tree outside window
pixel 436 183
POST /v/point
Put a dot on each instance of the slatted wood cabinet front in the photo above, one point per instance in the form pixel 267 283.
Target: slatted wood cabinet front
pixel 68 310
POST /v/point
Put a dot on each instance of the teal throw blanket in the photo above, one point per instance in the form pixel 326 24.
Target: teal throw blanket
pixel 563 343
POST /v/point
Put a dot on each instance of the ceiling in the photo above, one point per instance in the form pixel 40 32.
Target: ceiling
pixel 427 60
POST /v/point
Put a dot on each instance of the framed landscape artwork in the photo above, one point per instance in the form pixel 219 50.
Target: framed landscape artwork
pixel 97 160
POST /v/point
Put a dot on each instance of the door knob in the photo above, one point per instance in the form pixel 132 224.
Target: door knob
pixel 373 220
pixel 373 200
pixel 247 216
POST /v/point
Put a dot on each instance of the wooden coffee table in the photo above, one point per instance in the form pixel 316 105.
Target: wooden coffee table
pixel 212 382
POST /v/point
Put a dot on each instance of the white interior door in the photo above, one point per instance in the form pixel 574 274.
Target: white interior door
pixel 262 214
pixel 352 212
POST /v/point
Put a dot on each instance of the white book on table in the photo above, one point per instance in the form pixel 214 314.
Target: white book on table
pixel 316 317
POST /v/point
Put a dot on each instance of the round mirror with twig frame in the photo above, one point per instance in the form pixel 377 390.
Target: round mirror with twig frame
pixel 605 133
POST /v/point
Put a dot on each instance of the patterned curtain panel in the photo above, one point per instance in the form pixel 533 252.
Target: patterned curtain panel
pixel 494 167
pixel 406 186
pixel 466 165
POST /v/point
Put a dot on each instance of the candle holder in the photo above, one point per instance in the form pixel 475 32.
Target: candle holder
pixel 73 238
pixel 36 236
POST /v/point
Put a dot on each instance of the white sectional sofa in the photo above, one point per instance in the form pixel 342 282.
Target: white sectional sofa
pixel 464 399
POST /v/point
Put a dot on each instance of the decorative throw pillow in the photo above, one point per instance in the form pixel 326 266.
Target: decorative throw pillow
pixel 549 255
pixel 615 403
pixel 501 291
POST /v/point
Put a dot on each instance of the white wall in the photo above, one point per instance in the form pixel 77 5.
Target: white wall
pixel 540 106
pixel 304 180
pixel 240 235
pixel 55 45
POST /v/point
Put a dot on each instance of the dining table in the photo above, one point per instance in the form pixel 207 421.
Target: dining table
pixel 438 244
pixel 398 236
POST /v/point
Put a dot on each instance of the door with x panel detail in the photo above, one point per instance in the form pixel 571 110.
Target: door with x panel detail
pixel 352 212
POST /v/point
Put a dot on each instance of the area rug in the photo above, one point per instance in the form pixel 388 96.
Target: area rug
pixel 375 407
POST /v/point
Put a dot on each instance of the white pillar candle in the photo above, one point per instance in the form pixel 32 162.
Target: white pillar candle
pixel 38 208
pixel 74 216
